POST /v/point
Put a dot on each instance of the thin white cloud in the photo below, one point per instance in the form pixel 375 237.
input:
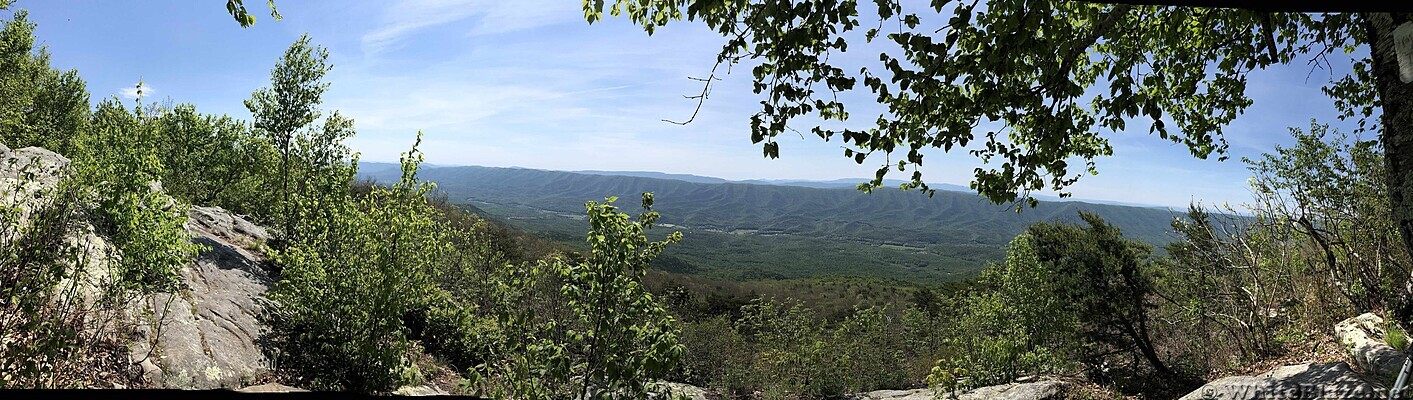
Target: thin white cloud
pixel 404 19
pixel 511 16
pixel 132 92
pixel 558 95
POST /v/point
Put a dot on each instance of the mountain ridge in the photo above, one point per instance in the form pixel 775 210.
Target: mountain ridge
pixel 840 183
pixel 759 231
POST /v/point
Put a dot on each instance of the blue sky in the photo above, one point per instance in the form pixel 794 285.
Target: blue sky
pixel 528 83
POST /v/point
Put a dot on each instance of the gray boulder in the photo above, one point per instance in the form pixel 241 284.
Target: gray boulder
pixel 915 394
pixel 29 178
pixel 1043 389
pixel 1300 381
pixel 683 389
pixel 1363 337
pixel 201 338
pixel 205 336
pixel 270 388
pixel 218 223
pixel 419 390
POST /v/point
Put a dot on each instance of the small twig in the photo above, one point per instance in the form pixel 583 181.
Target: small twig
pixel 701 98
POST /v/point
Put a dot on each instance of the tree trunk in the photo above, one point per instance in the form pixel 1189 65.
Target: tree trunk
pixel 1145 345
pixel 1395 96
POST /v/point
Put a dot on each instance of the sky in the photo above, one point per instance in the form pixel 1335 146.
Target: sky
pixel 528 83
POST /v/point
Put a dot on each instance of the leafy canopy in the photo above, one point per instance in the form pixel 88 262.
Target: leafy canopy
pixel 363 265
pixel 43 106
pixel 1028 87
pixel 242 16
pixel 311 165
pixel 612 339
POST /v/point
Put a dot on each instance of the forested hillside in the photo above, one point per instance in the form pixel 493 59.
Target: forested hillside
pixel 761 231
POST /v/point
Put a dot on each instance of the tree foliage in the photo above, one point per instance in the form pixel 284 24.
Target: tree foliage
pixel 1014 325
pixel 206 157
pixel 1028 87
pixel 1106 282
pixel 1332 189
pixel 43 106
pixel 622 333
pixel 366 263
pixel 310 164
pixel 1065 296
pixel 1316 245
pixel 116 164
pixel 611 338
pixel 783 349
pixel 63 290
pixel 242 16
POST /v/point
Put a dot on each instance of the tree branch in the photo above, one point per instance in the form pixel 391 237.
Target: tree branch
pixel 701 98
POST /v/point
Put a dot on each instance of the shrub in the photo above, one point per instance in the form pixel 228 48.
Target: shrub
pixel 338 313
pixel 868 352
pixel 1332 190
pixel 608 337
pixel 791 350
pixel 1396 336
pixel 992 343
pixel 115 166
pixel 41 326
pixel 206 157
pixel 457 334
pixel 714 355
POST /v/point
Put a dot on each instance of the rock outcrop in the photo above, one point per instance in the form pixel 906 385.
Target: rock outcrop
pixel 27 176
pixel 419 390
pixel 270 388
pixel 200 338
pixel 205 336
pixel 1037 390
pixel 915 394
pixel 29 183
pixel 1300 381
pixel 1363 337
pixel 685 390
pixel 1042 390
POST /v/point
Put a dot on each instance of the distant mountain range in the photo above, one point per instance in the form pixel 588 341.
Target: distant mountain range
pixel 778 229
pixel 846 183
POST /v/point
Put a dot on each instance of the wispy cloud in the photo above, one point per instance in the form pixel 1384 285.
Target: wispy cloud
pixel 403 19
pixel 138 89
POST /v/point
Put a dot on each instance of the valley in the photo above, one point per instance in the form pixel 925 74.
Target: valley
pixel 761 230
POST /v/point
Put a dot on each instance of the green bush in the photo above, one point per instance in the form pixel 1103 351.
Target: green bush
pixel 868 352
pixel 206 157
pixel 1012 324
pixel 338 313
pixel 714 355
pixel 39 105
pixel 1396 336
pixel 792 353
pixel 457 334
pixel 991 344
pixel 604 335
pixel 41 345
pixel 783 349
pixel 117 169
pixel 51 324
pixel 1331 191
